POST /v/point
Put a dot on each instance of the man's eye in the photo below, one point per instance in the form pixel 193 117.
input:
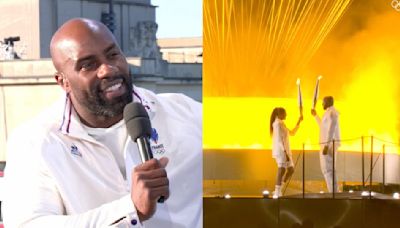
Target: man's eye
pixel 88 66
pixel 113 55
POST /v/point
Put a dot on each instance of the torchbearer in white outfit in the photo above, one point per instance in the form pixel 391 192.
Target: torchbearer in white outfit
pixel 329 136
pixel 281 147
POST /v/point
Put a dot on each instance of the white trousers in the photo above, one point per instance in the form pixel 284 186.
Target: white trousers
pixel 326 162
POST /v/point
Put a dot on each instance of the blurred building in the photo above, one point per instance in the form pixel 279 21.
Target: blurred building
pixel 36 20
pixel 182 50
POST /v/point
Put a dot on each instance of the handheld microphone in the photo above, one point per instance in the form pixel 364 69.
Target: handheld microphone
pixel 139 129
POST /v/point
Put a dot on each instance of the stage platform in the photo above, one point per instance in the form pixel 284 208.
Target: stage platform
pixel 341 195
pixel 314 211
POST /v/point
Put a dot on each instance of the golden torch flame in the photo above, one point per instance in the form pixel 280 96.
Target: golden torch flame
pixel 299 97
pixel 316 92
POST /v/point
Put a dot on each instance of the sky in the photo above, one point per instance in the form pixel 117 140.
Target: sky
pixel 178 18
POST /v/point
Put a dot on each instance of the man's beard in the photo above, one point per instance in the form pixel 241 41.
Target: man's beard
pixel 97 104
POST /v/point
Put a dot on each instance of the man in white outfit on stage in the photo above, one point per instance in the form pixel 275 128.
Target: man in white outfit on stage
pixel 329 140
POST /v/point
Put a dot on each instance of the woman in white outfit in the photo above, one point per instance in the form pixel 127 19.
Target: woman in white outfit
pixel 281 147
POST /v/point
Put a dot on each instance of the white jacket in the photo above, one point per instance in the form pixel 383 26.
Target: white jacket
pixel 59 176
pixel 329 127
pixel 280 139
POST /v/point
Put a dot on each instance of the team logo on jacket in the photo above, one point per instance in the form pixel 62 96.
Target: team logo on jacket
pixel 75 151
pixel 155 147
pixel 154 135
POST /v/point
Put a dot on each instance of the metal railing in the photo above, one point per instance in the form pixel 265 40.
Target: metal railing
pixel 365 179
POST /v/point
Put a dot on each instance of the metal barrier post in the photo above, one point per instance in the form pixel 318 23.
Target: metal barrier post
pixel 362 162
pixel 370 167
pixel 333 168
pixel 383 168
pixel 303 171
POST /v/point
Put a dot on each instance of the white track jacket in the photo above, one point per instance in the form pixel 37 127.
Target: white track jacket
pixel 329 128
pixel 59 176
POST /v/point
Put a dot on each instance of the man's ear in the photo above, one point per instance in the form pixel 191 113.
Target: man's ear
pixel 62 81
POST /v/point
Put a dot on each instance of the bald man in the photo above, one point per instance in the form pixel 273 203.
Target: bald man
pixel 74 165
pixel 329 132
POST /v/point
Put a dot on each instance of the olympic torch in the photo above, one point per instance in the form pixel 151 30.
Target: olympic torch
pixel 316 92
pixel 299 98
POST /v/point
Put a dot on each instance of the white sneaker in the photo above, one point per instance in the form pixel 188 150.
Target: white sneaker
pixel 277 192
pixel 275 195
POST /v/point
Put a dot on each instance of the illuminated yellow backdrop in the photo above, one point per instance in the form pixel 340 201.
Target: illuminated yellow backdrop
pixel 255 50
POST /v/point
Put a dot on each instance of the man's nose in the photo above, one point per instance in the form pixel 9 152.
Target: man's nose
pixel 107 70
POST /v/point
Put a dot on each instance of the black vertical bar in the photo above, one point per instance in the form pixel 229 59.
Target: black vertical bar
pixel 370 167
pixel 333 168
pixel 111 16
pixel 362 162
pixel 303 171
pixel 383 168
pixel 111 7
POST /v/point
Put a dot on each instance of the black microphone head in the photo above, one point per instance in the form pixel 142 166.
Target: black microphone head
pixel 137 121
